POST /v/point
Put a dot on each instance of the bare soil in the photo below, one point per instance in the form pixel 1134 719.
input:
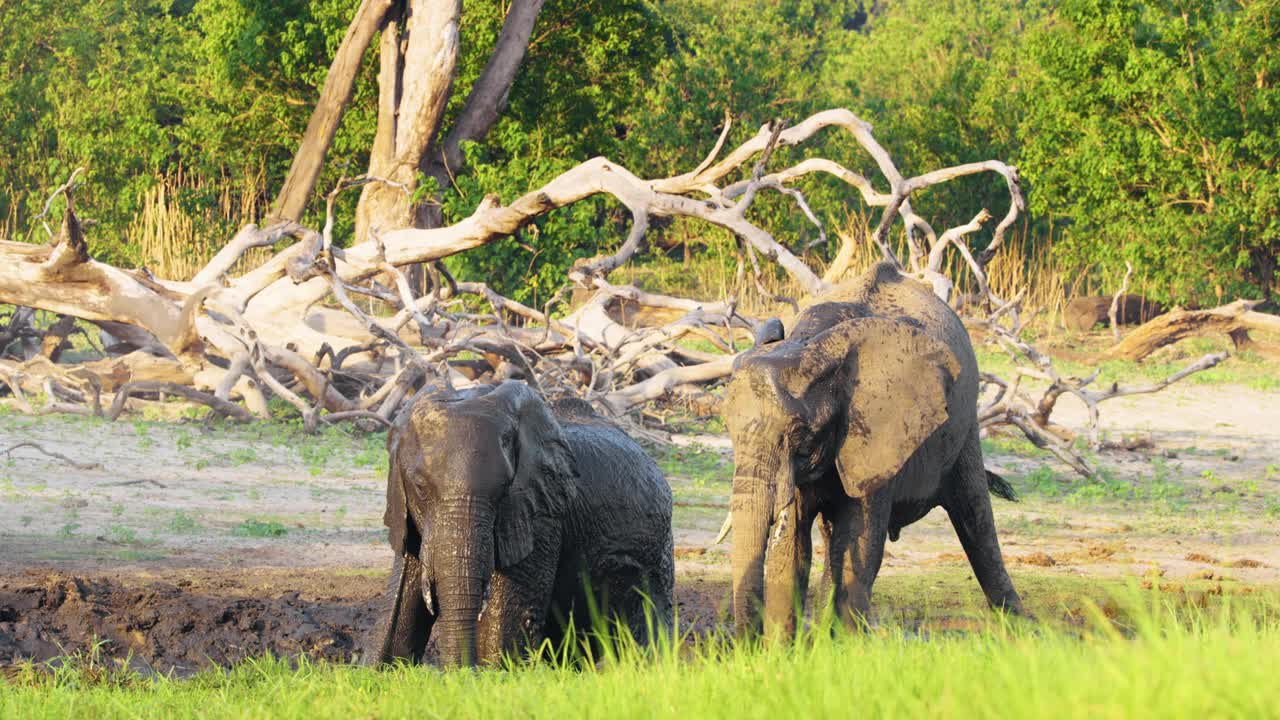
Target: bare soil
pixel 189 547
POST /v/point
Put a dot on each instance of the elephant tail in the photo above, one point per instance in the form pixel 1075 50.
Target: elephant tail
pixel 1001 487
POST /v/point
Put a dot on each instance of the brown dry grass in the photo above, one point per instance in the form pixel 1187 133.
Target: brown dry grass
pixel 1024 262
pixel 175 242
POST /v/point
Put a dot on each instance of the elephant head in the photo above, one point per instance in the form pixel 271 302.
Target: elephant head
pixel 469 475
pixel 860 396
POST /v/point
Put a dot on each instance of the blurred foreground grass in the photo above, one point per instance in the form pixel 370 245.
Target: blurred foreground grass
pixel 1154 658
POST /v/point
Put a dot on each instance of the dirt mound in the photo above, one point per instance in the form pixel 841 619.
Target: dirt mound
pixel 183 625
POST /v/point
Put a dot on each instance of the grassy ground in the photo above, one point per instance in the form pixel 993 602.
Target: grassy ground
pixel 1162 660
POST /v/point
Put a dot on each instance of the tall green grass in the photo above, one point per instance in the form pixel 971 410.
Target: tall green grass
pixel 1164 660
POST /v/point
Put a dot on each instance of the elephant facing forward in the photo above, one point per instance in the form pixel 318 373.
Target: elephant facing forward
pixel 865 415
pixel 503 512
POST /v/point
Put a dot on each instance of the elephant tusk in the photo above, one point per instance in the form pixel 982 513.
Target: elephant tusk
pixel 724 529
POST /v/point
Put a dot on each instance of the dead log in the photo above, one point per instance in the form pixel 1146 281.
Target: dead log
pixel 216 404
pixel 339 85
pixel 55 338
pixel 1180 324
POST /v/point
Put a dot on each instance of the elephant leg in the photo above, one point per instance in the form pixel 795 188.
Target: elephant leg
pixel 967 501
pixel 514 617
pixel 404 620
pixel 787 569
pixel 652 603
pixel 859 529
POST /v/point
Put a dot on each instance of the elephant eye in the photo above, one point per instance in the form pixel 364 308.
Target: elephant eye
pixel 508 441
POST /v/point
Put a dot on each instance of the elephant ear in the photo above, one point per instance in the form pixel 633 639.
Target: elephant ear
pixel 898 379
pixel 401 448
pixel 544 476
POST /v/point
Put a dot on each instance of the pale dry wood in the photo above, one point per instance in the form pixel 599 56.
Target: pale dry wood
pixel 266 323
pixel 1115 302
pixel 335 95
pixel 1179 324
pixel 218 405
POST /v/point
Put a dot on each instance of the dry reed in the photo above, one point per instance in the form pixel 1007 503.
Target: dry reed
pixel 175 240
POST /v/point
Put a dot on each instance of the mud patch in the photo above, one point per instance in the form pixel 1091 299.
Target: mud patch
pixel 219 618
pixel 185 625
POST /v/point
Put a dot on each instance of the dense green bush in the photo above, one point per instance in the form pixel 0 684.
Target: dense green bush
pixel 1145 129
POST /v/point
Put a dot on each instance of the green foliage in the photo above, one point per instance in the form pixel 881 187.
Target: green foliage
pixel 568 103
pixel 255 528
pixel 182 523
pixel 1153 129
pixel 1144 129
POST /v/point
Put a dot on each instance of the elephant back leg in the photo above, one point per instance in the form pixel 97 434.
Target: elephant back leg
pixel 825 584
pixel 967 500
pixel 859 528
pixel 652 609
pixel 404 620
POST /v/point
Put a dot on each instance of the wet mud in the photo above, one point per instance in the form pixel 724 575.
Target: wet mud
pixel 214 618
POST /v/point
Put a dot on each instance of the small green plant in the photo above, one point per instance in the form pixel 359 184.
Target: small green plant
pixel 255 528
pixel 122 535
pixel 373 453
pixel 183 440
pixel 1272 507
pixel 182 523
pixel 117 510
pixel 1043 481
pixel 241 456
pixel 26 520
pixel 68 530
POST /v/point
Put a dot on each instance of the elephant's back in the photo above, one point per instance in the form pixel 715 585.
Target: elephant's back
pixel 620 528
pixel 884 292
pixel 618 481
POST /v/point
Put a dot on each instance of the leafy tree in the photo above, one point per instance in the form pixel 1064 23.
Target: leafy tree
pixel 941 82
pixel 1152 131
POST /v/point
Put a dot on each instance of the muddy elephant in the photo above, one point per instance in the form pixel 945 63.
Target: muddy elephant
pixel 864 416
pixel 510 518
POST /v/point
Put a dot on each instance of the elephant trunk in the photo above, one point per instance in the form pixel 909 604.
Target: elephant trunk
pixel 463 555
pixel 751 509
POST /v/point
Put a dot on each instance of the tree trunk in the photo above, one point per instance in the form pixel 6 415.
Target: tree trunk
pixel 339 85
pixel 414 83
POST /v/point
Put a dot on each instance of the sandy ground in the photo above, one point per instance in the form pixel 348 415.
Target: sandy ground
pixel 188 546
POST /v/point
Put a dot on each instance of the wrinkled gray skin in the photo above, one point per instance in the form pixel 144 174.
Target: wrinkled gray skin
pixel 864 416
pixel 501 513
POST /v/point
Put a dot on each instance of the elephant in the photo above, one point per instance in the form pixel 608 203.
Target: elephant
pixel 512 520
pixel 864 414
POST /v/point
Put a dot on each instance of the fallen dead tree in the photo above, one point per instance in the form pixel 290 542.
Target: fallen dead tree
pixel 292 328
pixel 1012 402
pixel 273 330
pixel 1234 319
